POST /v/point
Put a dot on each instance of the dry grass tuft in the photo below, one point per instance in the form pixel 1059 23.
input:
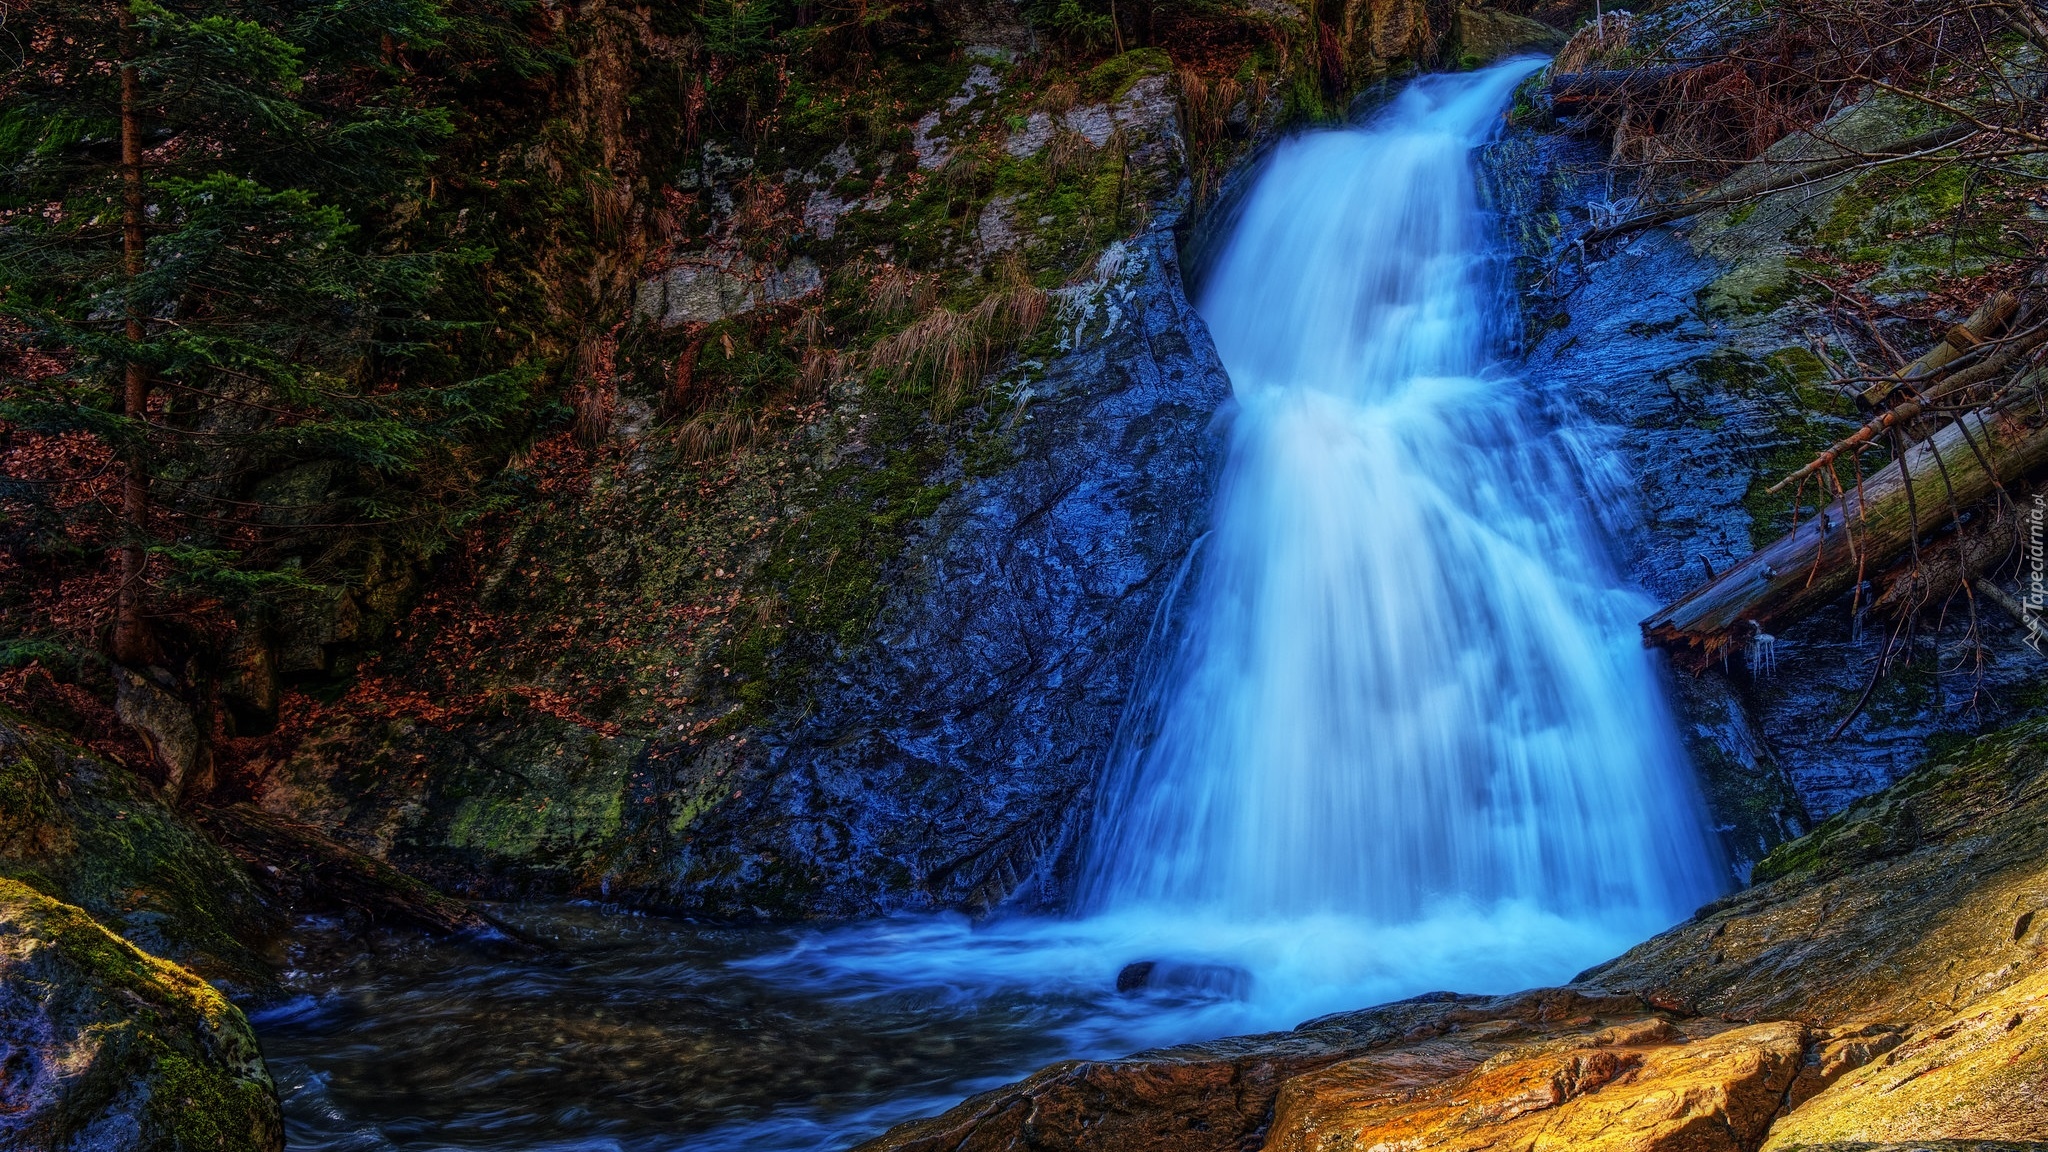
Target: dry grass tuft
pixel 710 436
pixel 821 369
pixel 1205 108
pixel 1068 152
pixel 1058 98
pixel 894 292
pixel 948 351
pixel 1591 46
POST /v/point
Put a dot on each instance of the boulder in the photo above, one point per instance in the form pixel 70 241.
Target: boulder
pixel 105 1047
pixel 1487 34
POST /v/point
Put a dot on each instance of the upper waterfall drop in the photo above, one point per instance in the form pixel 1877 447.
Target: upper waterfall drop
pixel 1405 678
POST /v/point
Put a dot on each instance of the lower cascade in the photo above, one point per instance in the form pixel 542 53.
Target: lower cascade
pixel 1397 734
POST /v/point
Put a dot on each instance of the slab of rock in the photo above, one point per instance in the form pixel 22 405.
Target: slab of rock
pixel 1220 1096
pixel 1982 1073
pixel 1652 1091
pixel 1487 34
pixel 705 288
pixel 105 1047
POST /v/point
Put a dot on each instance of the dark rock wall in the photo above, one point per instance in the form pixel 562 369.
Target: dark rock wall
pixel 946 764
pixel 1691 344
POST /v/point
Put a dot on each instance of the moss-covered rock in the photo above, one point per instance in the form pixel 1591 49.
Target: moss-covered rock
pixel 79 829
pixel 1934 804
pixel 103 1046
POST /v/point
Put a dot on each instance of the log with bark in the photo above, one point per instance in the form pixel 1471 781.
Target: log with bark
pixel 1572 92
pixel 1854 537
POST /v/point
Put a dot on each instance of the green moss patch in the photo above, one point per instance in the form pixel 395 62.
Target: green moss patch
pixel 1807 417
pixel 1933 804
pixel 82 830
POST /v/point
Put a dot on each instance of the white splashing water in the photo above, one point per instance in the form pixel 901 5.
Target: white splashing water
pixel 1405 736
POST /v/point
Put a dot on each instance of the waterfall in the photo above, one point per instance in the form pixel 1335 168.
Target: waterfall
pixel 1395 730
pixel 1406 681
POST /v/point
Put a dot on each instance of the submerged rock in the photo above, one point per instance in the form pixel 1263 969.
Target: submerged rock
pixel 1225 980
pixel 105 1047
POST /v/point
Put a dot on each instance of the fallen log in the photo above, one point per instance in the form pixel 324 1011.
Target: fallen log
pixel 1573 90
pixel 304 870
pixel 1983 324
pixel 1854 537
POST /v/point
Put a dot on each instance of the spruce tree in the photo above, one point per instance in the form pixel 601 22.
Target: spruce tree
pixel 197 228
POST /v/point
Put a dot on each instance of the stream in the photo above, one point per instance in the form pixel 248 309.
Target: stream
pixel 1397 735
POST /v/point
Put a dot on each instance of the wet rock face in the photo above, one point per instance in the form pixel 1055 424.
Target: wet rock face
pixel 1692 346
pixel 1595 356
pixel 105 1047
pixel 949 762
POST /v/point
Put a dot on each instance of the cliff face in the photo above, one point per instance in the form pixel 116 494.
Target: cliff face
pixel 1882 984
pixel 950 760
pixel 832 609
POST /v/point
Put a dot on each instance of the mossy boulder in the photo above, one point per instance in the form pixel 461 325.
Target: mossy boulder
pixel 85 831
pixel 1488 34
pixel 105 1047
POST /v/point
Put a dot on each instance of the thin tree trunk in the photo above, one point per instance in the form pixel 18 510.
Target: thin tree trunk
pixel 131 640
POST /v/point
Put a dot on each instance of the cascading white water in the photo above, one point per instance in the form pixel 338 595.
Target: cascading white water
pixel 1407 680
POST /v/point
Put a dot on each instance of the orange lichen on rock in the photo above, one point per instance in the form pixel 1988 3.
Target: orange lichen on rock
pixel 1643 1087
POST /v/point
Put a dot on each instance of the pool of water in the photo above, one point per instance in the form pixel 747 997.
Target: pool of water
pixel 637 1034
